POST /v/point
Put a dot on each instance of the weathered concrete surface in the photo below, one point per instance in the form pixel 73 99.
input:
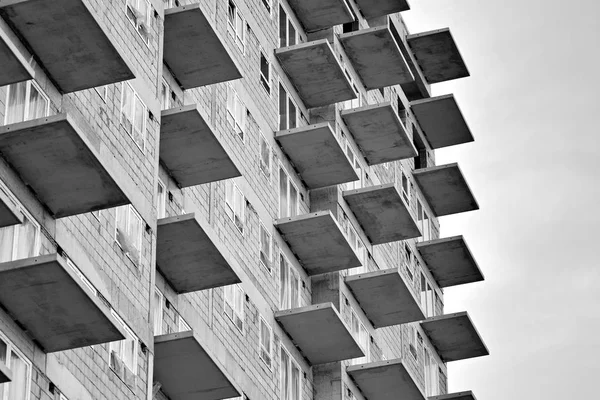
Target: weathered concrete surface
pixel 379 133
pixel 316 73
pixel 320 14
pixel 14 67
pixel 319 333
pixel 188 255
pixel 382 213
pixel 450 261
pixel 385 298
pixel 187 371
pixel 445 189
pixel 378 8
pixel 468 395
pixel 385 380
pixel 194 51
pixel 5 374
pixel 442 121
pixel 438 56
pixel 454 337
pixel 45 295
pixel 68 42
pixel 376 57
pixel 317 155
pixel 9 214
pixel 60 165
pixel 191 151
pixel 318 242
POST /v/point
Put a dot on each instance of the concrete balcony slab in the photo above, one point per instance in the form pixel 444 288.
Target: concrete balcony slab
pixel 5 374
pixel 379 8
pixel 9 214
pixel 468 395
pixel 14 67
pixel 315 15
pixel 385 380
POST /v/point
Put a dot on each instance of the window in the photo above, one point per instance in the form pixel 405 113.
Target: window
pixel 265 247
pixel 361 335
pixel 236 205
pixel 267 4
pixel 161 200
pixel 265 340
pixel 357 245
pixel 357 167
pixel 288 196
pixel 289 285
pixel 405 186
pixel 431 375
pixel 290 377
pixel 25 101
pixel 288 34
pixel 165 95
pixel 138 12
pixel 128 233
pixel 234 305
pixel 20 368
pixel 424 222
pixel 288 112
pixel 20 241
pixel 265 72
pixel 412 342
pixel 235 25
pixel 265 156
pixel 158 312
pixel 236 112
pixel 133 115
pixel 125 350
pixel 427 297
pixel 170 3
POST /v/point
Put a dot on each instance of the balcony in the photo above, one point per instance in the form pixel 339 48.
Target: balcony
pixel 5 374
pixel 385 380
pixel 318 242
pixel 61 165
pixel 376 57
pixel 315 15
pixel 320 334
pixel 9 214
pixel 454 337
pixel 450 261
pixel 382 213
pixel 445 190
pixel 316 73
pixel 46 296
pixel 455 396
pixel 379 133
pixel 67 41
pixel 190 255
pixel 385 298
pixel 190 149
pixel 15 67
pixel 317 155
pixel 193 50
pixel 378 8
pixel 186 370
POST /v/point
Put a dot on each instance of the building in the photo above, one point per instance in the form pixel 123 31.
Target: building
pixel 218 198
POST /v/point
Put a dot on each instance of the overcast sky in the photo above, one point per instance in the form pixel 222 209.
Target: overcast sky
pixel 532 105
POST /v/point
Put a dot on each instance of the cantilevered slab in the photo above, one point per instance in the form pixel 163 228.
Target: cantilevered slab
pixel 5 374
pixel 376 57
pixel 468 395
pixel 186 371
pixel 385 380
pixel 14 67
pixel 319 333
pixel 438 56
pixel 450 261
pixel 194 51
pixel 379 8
pixel 189 255
pixel 454 337
pixel 379 133
pixel 442 121
pixel 317 155
pixel 53 304
pixel 318 242
pixel 9 214
pixel 385 298
pixel 320 14
pixel 316 73
pixel 190 149
pixel 67 41
pixel 382 213
pixel 61 165
pixel 445 189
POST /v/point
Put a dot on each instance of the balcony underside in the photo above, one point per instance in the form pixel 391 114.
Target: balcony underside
pixel 320 334
pixel 190 149
pixel 9 214
pixel 5 374
pixel 14 67
pixel 385 298
pixel 60 164
pixel 379 133
pixel 193 50
pixel 317 155
pixel 187 372
pixel 66 39
pixel 316 73
pixel 320 14
pixel 455 396
pixel 52 303
pixel 188 256
pixel 385 380
pixel 379 8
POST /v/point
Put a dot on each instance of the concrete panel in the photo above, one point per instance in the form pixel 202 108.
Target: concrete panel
pixel 376 57
pixel 442 121
pixel 320 334
pixel 454 337
pixel 316 73
pixel 385 380
pixel 382 213
pixel 378 8
pixel 14 67
pixel 46 297
pixel 5 374
pixel 450 261
pixel 379 133
pixel 317 155
pixel 191 151
pixel 468 395
pixel 438 56
pixel 445 189
pixel 9 214
pixel 188 256
pixel 194 51
pixel 318 242
pixel 320 14
pixel 187 371
pixel 68 42
pixel 58 163
pixel 385 298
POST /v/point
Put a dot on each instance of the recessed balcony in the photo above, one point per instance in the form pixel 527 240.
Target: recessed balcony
pixel 468 395
pixel 5 374
pixel 379 8
pixel 385 380
pixel 14 66
pixel 9 214
pixel 315 15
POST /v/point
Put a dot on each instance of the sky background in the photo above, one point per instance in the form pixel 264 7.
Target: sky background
pixel 532 105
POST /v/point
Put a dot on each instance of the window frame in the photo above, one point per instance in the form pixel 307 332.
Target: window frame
pixel 264 168
pixel 135 96
pixel 37 245
pixel 290 365
pixel 121 352
pixel 287 303
pixel 158 309
pixel 136 24
pixel 240 314
pixel 27 103
pixel 161 200
pixel 231 209
pixel 291 122
pixel 236 109
pixel 232 28
pixel 131 210
pixel 289 184
pixel 262 324
pixel 269 257
pixel 265 80
pixel 11 348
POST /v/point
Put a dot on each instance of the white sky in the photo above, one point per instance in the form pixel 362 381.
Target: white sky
pixel 534 168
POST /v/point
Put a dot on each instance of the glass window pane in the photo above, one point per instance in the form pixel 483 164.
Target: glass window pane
pixel 293 115
pixel 295 383
pixel 7 236
pixel 37 104
pixel 283 194
pixel 285 375
pixel 294 285
pixel 284 296
pixel 293 201
pixel 20 374
pixel 15 108
pixel 282 108
pixel 26 239
pixel 282 27
pixel 291 34
pixel 140 122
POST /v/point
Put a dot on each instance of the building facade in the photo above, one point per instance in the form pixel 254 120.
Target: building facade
pixel 228 198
